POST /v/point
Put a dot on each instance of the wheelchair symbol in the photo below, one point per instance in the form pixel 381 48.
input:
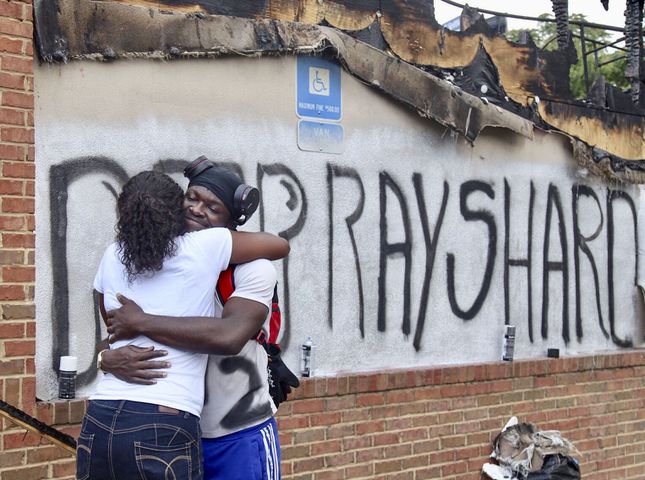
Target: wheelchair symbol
pixel 319 81
pixel 318 85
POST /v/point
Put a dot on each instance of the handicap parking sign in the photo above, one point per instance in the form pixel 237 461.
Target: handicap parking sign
pixel 318 92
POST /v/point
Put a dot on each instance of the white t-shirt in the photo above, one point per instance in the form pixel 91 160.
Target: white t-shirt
pixel 184 287
pixel 237 386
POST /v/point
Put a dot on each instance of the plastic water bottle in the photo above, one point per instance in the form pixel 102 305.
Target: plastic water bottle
pixel 307 358
pixel 67 377
pixel 508 348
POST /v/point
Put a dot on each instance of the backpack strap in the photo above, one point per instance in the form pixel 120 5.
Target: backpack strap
pixel 276 317
pixel 275 320
pixel 225 285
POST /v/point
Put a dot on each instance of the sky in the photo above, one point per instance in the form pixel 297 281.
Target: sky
pixel 593 9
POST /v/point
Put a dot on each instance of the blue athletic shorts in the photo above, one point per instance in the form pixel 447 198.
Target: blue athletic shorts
pixel 250 454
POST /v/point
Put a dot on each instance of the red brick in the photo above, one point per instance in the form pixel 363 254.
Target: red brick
pixel 28 392
pixel 359 471
pixel 13 459
pixel 18 312
pixel 354 443
pixel 398 423
pixel 431 472
pixel 27 11
pixel 12 330
pixel 16 64
pixel 10 116
pixel 442 456
pixel 18 170
pixel 355 415
pixel 19 348
pixel 330 474
pixel 10 45
pixel 20 439
pixel 321 448
pixel 414 434
pixel 308 406
pixel 17 28
pixel 415 461
pixel 340 403
pixel 17 99
pixel 18 205
pixel 388 438
pixel 19 274
pixel 319 419
pixel 46 454
pixel 12 10
pixel 17 135
pixel 370 427
pixel 292 422
pixel 370 399
pixel 339 459
pixel 12 392
pixel 370 454
pixel 26 473
pixel 12 152
pixel 12 292
pixel 340 431
pixel 12 80
pixel 14 366
pixel 11 257
pixel 385 411
pixel 18 240
pixel 453 468
pixel 387 466
pixel 426 446
pixel 456 390
pixel 65 469
pixel 30 365
pixel 11 222
pixel 309 464
pixel 310 435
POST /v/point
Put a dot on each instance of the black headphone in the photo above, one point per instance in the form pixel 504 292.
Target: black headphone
pixel 245 199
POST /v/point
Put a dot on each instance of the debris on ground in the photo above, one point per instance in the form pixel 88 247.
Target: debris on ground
pixel 522 452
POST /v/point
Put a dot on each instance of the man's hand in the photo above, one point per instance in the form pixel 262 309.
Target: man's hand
pixel 281 379
pixel 134 364
pixel 123 323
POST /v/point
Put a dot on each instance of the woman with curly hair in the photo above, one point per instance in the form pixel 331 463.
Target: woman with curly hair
pixel 152 431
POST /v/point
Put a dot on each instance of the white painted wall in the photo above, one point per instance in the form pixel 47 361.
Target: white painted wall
pixel 137 113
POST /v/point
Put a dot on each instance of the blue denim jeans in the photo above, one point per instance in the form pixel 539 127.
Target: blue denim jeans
pixel 121 439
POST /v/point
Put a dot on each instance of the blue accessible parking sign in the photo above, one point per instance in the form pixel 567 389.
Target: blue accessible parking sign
pixel 318 89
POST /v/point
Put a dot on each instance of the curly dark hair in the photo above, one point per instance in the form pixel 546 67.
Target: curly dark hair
pixel 150 218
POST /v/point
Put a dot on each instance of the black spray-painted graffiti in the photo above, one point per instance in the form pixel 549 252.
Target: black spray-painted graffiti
pixel 550 266
pixel 64 174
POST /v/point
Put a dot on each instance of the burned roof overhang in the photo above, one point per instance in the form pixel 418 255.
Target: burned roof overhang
pixel 85 29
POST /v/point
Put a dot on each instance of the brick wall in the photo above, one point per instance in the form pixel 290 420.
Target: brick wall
pixel 431 423
pixel 439 422
pixel 21 457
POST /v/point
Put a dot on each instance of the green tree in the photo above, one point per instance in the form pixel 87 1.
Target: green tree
pixel 545 37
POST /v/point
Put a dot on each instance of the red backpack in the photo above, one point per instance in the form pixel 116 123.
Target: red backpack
pixel 225 288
